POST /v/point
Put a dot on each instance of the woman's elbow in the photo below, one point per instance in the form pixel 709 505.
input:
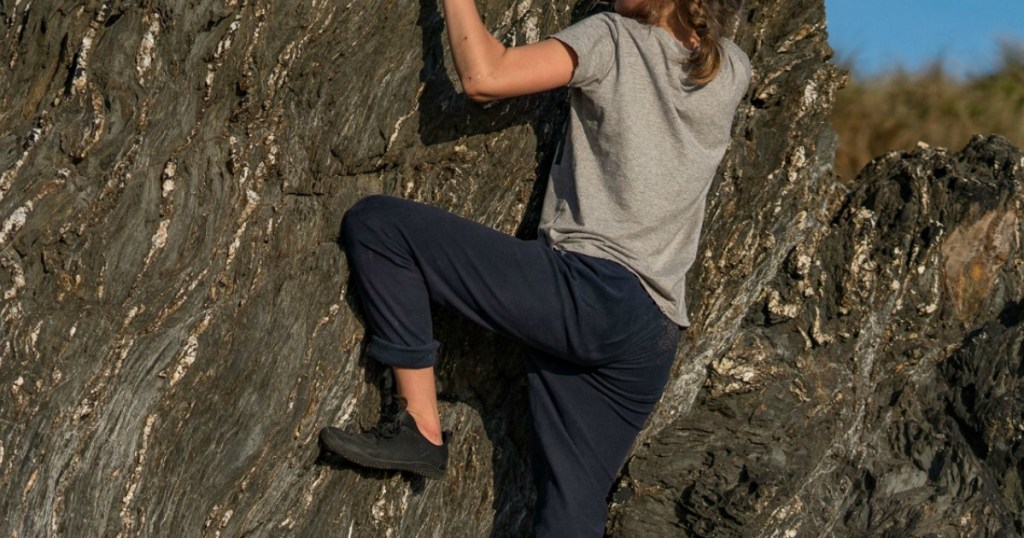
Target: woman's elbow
pixel 476 90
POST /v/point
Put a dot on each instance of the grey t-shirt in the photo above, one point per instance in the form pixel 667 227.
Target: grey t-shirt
pixel 640 151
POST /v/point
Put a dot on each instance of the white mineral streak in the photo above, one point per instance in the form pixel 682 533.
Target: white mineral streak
pixel 33 338
pixel 801 33
pixel 14 222
pixel 803 265
pixel 936 286
pixel 132 312
pixel 218 55
pixel 797 163
pixel 209 517
pixel 519 13
pixel 144 56
pixel 807 100
pixel 862 266
pixel 252 199
pixel 522 8
pixel 261 22
pixel 5 351
pixel 8 177
pixel 816 332
pixel 12 265
pixel 331 313
pixel 195 281
pixel 127 517
pixel 379 508
pixel 531 29
pixel 347 409
pixel 21 29
pixel 225 43
pixel 66 476
pixel 403 503
pixel 191 350
pixel 293 50
pixel 31 484
pixel 124 346
pixel 864 351
pixel 225 518
pixel 158 241
pixel 308 497
pixel 99 119
pixel 80 77
pixel 778 307
pixel 233 247
pixel 280 72
pixel 401 120
pixel 167 187
pixel 307 500
pixel 272 150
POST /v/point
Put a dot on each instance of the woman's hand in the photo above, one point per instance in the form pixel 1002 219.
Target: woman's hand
pixel 489 71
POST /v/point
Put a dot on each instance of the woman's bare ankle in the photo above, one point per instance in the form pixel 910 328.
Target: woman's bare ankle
pixel 416 385
pixel 429 427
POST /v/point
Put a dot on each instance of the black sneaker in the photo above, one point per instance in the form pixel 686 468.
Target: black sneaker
pixel 395 444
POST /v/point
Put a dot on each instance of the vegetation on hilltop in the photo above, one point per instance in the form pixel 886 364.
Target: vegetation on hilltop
pixel 898 110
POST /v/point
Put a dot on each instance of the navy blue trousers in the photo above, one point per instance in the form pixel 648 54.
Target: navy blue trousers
pixel 601 348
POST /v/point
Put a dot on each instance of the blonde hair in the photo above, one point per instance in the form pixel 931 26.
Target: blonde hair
pixel 708 19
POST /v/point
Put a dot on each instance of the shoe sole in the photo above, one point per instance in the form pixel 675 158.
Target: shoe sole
pixel 335 446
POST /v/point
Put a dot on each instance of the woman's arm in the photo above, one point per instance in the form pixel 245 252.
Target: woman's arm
pixel 489 71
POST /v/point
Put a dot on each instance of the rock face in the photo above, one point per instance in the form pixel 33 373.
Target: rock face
pixel 176 324
pixel 871 383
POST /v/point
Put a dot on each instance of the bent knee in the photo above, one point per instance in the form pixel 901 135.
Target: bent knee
pixel 366 217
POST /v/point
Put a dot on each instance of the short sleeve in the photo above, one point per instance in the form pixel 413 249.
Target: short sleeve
pixel 593 39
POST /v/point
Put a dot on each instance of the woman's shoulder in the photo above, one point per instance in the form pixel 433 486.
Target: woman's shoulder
pixel 736 57
pixel 733 50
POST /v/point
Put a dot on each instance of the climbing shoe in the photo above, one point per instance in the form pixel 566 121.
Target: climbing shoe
pixel 395 444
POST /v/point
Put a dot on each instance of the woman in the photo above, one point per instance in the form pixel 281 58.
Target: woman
pixel 599 297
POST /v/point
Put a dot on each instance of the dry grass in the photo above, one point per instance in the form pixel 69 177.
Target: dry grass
pixel 896 111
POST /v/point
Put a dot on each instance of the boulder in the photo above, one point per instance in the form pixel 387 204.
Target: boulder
pixel 177 323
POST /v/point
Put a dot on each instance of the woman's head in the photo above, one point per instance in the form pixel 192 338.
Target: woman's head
pixel 708 19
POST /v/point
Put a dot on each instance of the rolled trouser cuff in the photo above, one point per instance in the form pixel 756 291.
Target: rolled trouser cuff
pixel 402 356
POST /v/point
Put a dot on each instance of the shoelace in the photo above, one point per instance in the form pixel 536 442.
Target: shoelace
pixel 391 423
pixel 388 427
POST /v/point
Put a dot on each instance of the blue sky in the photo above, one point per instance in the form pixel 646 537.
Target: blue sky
pixel 882 34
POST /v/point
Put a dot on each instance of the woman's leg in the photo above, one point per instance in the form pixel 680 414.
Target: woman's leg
pixel 404 255
pixel 584 421
pixel 606 347
pixel 416 386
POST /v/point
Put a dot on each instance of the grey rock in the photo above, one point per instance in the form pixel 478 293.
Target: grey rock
pixel 872 385
pixel 176 322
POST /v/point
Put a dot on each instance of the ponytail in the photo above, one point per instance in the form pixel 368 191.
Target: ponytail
pixel 708 18
pixel 706 61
